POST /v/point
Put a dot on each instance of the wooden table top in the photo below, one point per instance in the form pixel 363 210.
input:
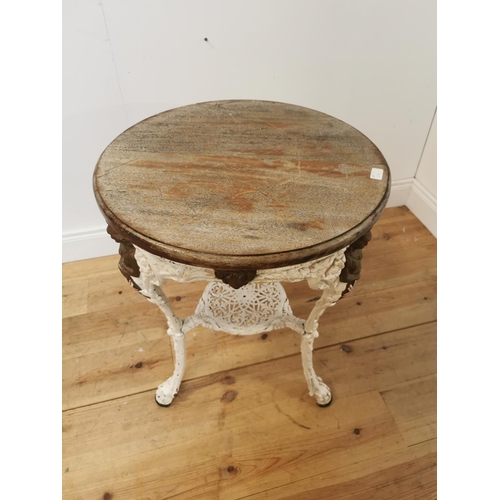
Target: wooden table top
pixel 241 184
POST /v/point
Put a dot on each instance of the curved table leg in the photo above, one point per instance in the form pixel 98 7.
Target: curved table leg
pixel 168 389
pixel 137 270
pixel 336 282
pixel 317 388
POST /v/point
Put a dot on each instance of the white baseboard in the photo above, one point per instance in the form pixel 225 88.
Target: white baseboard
pixel 87 245
pixel 400 190
pixel 97 242
pixel 424 205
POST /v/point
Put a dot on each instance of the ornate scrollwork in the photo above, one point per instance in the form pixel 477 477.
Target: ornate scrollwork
pixel 322 271
pixel 165 269
pixel 128 265
pixel 353 256
pixel 332 288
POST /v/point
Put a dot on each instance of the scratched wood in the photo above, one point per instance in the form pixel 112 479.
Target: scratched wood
pixel 236 450
pixel 241 184
pixel 242 425
pixel 413 479
pixel 249 430
pixel 414 405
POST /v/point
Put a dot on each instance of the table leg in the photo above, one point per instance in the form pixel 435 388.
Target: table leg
pixel 136 269
pixel 335 283
pixel 150 289
pixel 166 391
pixel 317 388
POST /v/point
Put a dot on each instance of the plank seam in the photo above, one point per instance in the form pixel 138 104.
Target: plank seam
pixel 214 374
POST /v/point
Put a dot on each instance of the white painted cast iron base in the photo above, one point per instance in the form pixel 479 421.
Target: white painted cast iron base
pixel 257 307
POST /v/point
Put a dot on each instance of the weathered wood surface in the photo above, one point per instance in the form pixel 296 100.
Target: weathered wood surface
pixel 242 425
pixel 414 406
pixel 241 184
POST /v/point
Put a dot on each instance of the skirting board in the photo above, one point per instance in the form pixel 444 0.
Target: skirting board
pixel 424 205
pixel 87 245
pixel 400 190
pixel 97 243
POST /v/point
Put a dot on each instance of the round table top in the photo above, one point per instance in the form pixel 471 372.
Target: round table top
pixel 241 184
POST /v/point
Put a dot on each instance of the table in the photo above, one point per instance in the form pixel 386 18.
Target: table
pixel 243 194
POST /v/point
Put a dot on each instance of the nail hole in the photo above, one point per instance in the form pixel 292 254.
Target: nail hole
pixel 264 336
pixel 356 431
pixel 206 39
pixel 345 348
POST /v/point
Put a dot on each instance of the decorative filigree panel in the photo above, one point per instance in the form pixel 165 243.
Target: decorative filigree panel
pixel 253 308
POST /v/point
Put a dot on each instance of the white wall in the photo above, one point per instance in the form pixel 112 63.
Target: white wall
pixel 371 64
pixel 422 200
pixel 93 115
pixel 426 172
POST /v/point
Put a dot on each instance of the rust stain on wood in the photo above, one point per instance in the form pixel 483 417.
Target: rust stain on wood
pixel 241 184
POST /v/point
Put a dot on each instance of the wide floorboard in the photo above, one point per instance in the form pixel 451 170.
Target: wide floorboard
pixel 243 425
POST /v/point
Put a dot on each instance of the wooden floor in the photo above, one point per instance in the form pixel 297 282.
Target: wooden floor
pixel 243 425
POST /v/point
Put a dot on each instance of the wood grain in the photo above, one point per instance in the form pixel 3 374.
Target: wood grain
pixel 413 479
pixel 237 185
pixel 227 454
pixel 92 337
pixel 74 297
pixel 414 405
pixel 242 425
